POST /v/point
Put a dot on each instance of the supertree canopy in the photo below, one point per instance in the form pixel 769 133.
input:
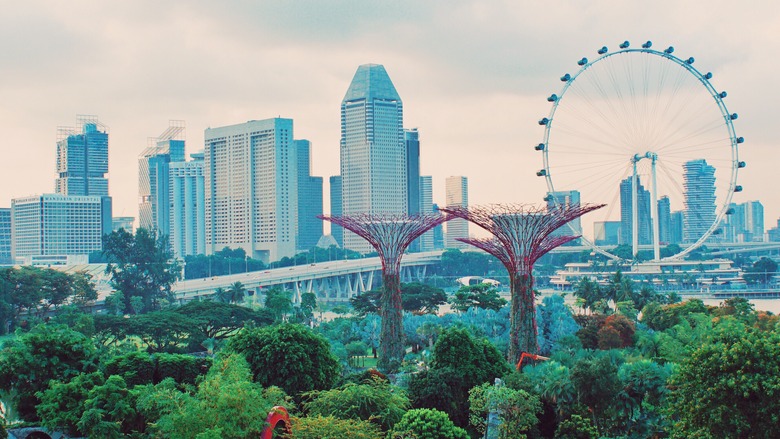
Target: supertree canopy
pixel 521 235
pixel 390 235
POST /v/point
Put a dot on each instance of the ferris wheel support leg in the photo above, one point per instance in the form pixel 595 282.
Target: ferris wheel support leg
pixel 634 213
pixel 654 214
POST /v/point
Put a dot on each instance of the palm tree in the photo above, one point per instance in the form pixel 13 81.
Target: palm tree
pixel 221 295
pixel 236 292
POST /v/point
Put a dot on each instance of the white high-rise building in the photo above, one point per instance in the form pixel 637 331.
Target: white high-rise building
pixel 251 193
pixel 457 194
pixel 187 213
pixel 699 187
pixel 54 227
pixel 426 207
pixel 373 150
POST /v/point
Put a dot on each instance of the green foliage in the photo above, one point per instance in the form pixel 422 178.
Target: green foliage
pixel 227 404
pixel 554 323
pixel 483 296
pixel 727 387
pixel 63 403
pixel 47 352
pixel 217 320
pixel 141 265
pixel 225 261
pixel 576 427
pixel 420 298
pixel 597 385
pixel 426 424
pixel 134 367
pixel 662 317
pixel 366 303
pixel 460 362
pixel 329 427
pixel 278 302
pixel 761 272
pixel 109 411
pixel 552 382
pixel 517 410
pixel 376 401
pixel 161 331
pixel 288 356
pixel 455 263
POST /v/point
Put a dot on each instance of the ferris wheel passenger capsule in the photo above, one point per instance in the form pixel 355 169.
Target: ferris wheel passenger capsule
pixel 565 77
pixel 603 50
pixel 690 60
pixel 582 62
pixel 708 75
pixel 539 147
pixel 723 94
pixel 741 165
pixel 740 140
pixel 737 188
pixel 541 173
pixel 647 45
pixel 624 45
pixel 553 97
pixel 669 50
pixel 730 211
pixel 544 121
pixel 733 116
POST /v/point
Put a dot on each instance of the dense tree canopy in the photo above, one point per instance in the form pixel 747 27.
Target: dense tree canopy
pixel 483 296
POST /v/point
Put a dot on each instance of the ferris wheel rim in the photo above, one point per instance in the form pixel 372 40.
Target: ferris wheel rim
pixel 584 65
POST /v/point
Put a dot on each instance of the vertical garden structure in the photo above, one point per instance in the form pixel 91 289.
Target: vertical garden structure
pixel 390 235
pixel 521 235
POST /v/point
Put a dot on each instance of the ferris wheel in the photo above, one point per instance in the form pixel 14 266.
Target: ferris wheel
pixel 647 133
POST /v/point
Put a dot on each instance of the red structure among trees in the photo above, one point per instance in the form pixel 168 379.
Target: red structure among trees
pixel 390 235
pixel 521 235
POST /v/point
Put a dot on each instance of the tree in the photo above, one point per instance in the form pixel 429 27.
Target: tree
pixel 597 385
pixel 484 296
pixel 554 322
pixel 288 356
pixel 161 331
pixel 427 424
pixel 47 352
pixel 576 427
pixel 109 411
pixel 727 387
pixel 589 292
pixel 761 272
pixel 62 404
pixel 141 265
pixel 421 298
pixel 307 307
pixel 376 401
pixel 218 320
pixel 366 303
pixel 278 302
pixel 456 263
pixel 236 292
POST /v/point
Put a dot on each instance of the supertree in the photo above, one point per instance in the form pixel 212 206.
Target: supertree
pixel 521 235
pixel 390 235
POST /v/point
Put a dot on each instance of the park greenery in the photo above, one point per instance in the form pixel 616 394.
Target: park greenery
pixel 622 361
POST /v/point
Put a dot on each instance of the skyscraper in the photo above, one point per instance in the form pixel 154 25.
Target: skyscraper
pixel 336 208
pixel 123 222
pixel 699 189
pixel 5 235
pixel 251 192
pixel 664 220
pixel 426 206
pixel 754 220
pixel 412 141
pixel 309 199
pixel 373 152
pixel 153 177
pixel 606 232
pixel 187 213
pixel 677 224
pixel 564 199
pixel 626 213
pixel 457 194
pixel 82 158
pixel 438 231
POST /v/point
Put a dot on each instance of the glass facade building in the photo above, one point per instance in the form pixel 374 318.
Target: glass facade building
pixel 5 235
pixel 153 178
pixel 699 190
pixel 82 158
pixel 626 213
pixel 309 229
pixel 187 212
pixel 335 209
pixel 457 194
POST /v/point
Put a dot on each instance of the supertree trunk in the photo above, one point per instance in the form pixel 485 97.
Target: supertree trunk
pixel 522 317
pixel 391 339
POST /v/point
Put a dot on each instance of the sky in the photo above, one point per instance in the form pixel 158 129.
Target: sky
pixel 473 77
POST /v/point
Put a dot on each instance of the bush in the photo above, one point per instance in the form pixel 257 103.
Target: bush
pixel 426 424
pixel 326 427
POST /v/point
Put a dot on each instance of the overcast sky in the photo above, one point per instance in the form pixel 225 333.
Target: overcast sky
pixel 473 76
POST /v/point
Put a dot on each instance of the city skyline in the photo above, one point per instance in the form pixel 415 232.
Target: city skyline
pixel 447 95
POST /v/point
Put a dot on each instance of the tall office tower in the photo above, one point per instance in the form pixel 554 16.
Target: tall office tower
pixel 309 229
pixel 564 199
pixel 626 213
pixel 426 206
pixel 123 222
pixel 457 194
pixel 664 220
pixel 606 232
pixel 754 220
pixel 153 177
pixel 678 224
pixel 251 188
pixel 699 189
pixel 438 232
pixel 5 235
pixel 56 225
pixel 335 209
pixel 373 152
pixel 734 223
pixel 412 141
pixel 187 212
pixel 774 233
pixel 82 158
